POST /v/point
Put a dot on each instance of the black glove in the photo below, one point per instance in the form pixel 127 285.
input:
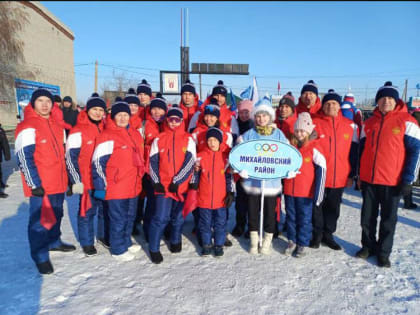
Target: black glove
pixel 405 189
pixel 38 192
pixel 159 188
pixel 229 199
pixel 193 186
pixel 173 188
pixel 69 192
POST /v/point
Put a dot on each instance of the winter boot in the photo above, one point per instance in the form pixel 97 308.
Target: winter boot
pixel 364 253
pixel 45 268
pixel 384 262
pixel 63 247
pixel 175 248
pixel 89 250
pixel 206 250
pixel 218 251
pixel 329 241
pixel 253 250
pixel 299 251
pixel 3 195
pixel 156 257
pixel 290 248
pixel 266 245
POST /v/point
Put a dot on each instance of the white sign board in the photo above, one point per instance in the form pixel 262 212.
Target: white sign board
pixel 170 83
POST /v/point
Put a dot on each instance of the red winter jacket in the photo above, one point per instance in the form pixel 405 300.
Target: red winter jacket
pixel 117 162
pixel 39 147
pixel 314 110
pixel 391 144
pixel 213 179
pixel 172 158
pixel 199 136
pixel 136 120
pixel 311 180
pixel 287 126
pixel 79 150
pixel 151 130
pixel 188 112
pixel 340 139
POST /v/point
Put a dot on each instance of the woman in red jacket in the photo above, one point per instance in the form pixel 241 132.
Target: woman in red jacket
pixel 117 169
pixel 79 151
pixel 171 163
pixel 215 192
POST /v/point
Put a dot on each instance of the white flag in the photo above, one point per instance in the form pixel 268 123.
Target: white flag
pixel 254 92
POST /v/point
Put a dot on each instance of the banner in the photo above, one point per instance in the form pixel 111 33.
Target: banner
pixel 170 83
pixel 24 90
pixel 265 159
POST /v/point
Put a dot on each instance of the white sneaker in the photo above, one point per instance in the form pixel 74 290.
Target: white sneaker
pixel 134 248
pixel 127 256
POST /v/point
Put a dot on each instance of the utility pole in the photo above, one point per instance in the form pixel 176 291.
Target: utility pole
pixel 96 76
pixel 185 62
pixel 201 93
pixel 405 90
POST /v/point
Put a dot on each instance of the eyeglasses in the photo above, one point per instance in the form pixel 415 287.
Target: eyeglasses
pixel 174 119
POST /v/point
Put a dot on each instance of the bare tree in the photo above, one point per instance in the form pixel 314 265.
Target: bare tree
pixel 12 20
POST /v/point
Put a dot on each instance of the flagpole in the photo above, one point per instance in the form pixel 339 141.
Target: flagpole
pixel 262 212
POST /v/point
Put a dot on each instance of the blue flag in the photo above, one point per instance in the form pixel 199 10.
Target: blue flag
pixel 246 94
pixel 233 105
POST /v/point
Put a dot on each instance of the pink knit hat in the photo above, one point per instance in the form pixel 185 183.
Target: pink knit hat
pixel 304 122
pixel 245 104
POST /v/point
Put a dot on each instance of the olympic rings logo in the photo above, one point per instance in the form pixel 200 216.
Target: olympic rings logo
pixel 266 147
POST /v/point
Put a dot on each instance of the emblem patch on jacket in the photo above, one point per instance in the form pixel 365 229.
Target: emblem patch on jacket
pixel 396 130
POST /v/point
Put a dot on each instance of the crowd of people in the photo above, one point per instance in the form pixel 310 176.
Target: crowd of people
pixel 143 162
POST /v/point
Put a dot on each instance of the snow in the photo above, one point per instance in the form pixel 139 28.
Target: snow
pixel 322 282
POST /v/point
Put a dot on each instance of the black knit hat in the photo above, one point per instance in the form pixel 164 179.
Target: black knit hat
pixel 387 90
pixel 287 101
pixel 215 133
pixel 131 97
pixel 331 95
pixel 41 92
pixel 175 111
pixel 95 101
pixel 57 99
pixel 119 107
pixel 219 88
pixel 159 101
pixel 144 87
pixel 188 87
pixel 310 86
pixel 67 99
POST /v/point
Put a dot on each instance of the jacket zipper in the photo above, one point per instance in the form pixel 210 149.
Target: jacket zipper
pixel 335 151
pixel 376 150
pixel 55 148
pixel 135 150
pixel 173 153
pixel 212 182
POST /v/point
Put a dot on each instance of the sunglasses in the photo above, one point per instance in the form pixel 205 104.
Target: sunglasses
pixel 174 119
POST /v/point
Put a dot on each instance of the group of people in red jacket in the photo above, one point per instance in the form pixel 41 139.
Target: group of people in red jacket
pixel 144 161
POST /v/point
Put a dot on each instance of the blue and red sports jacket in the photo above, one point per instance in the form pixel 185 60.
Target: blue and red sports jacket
pixel 39 148
pixel 172 158
pixel 390 148
pixel 118 162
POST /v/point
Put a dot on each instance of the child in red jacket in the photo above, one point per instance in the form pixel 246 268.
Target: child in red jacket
pixel 305 188
pixel 215 192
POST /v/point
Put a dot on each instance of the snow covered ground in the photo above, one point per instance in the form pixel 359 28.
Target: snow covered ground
pixel 322 282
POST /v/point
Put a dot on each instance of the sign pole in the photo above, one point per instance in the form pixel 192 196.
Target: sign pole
pixel 262 212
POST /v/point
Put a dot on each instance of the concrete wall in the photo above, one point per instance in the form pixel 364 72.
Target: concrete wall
pixel 48 52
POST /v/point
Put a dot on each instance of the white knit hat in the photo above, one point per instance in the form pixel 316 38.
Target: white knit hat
pixel 264 105
pixel 304 122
